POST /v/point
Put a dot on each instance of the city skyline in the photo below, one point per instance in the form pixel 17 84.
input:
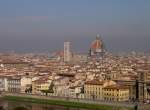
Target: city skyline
pixel 39 26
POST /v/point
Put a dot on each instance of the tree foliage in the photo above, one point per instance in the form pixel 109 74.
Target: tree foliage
pixel 50 89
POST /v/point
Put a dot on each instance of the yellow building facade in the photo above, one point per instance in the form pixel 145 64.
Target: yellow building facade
pixel 105 90
pixel 40 85
pixel 116 93
pixel 93 89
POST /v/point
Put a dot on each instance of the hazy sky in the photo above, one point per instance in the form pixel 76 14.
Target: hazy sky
pixel 43 25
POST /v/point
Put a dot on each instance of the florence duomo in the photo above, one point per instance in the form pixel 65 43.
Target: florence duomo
pixel 97 49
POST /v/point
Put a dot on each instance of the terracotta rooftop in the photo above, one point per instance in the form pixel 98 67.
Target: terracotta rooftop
pixel 12 62
pixel 60 53
pixel 97 44
pixel 94 82
pixel 116 87
pixel 41 80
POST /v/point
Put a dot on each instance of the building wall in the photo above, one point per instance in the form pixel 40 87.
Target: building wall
pixel 115 94
pixel 3 84
pixel 93 91
pixel 14 85
pixel 38 87
pixel 24 82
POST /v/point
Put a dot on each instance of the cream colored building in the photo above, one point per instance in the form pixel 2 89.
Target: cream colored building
pixel 94 89
pixel 116 93
pixel 25 81
pixel 40 84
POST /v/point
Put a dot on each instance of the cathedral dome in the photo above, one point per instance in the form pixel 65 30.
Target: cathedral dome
pixel 97 44
pixel 96 48
pixel 59 53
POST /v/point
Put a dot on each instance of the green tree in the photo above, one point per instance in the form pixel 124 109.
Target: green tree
pixel 50 89
pixel 29 90
pixel 82 89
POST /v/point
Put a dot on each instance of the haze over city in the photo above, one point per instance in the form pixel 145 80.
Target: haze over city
pixel 74 54
pixel 39 26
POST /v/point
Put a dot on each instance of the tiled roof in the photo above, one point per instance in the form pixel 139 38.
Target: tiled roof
pixel 94 82
pixel 96 44
pixel 116 87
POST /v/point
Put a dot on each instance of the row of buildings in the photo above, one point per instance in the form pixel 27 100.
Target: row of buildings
pixel 45 85
pixel 96 76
